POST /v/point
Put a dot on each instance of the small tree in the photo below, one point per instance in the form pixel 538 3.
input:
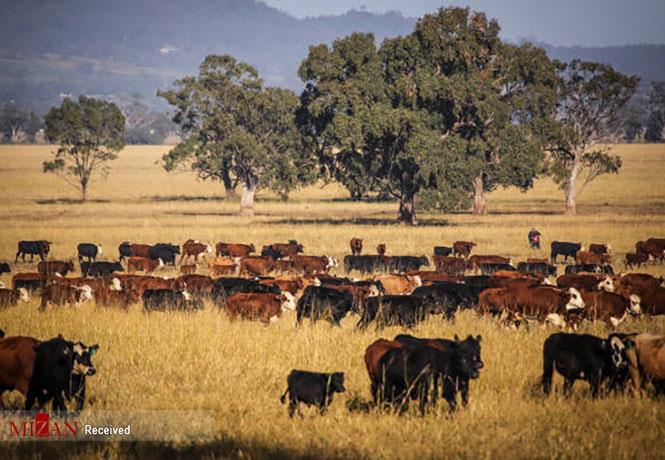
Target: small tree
pixel 90 133
pixel 16 120
pixel 656 119
pixel 590 98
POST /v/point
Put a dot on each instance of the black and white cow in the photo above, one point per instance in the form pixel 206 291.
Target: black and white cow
pixel 312 388
pixel 89 251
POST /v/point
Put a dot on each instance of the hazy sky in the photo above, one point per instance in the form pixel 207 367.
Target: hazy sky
pixel 559 22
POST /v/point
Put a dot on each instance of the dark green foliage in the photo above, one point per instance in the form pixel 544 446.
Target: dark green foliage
pixel 656 121
pixel 18 124
pixel 89 133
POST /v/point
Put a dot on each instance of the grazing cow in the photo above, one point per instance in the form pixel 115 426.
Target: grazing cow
pixel 463 248
pixel 32 282
pixel 565 249
pixel 194 248
pixel 4 268
pixel 356 246
pixel 11 297
pixel 127 249
pixel 643 281
pixel 407 373
pixel 584 357
pixel 51 268
pixel 143 264
pixel 443 251
pixel 493 300
pixel 394 310
pixel 402 264
pixel 441 298
pixel 373 354
pixel 653 247
pixel 59 295
pixel 381 249
pixel 89 251
pixel 145 283
pixel 646 357
pixel 101 269
pixel 294 286
pixel 451 266
pixel 169 299
pixel 198 285
pixel 120 299
pixel 311 265
pixel 166 252
pixel 281 250
pixel 475 261
pixel 234 249
pixel 259 306
pixel 95 284
pixel 398 284
pixel 17 358
pixel 600 248
pixel 325 302
pixel 543 303
pixel 587 282
pixel 589 268
pixel 60 369
pixel 256 265
pixel 489 268
pixel 40 248
pixel 312 388
pixel 653 301
pixel 540 268
pixel 366 264
pixel 636 259
pixel 610 307
pixel 227 286
pixel 588 257
pixel 224 266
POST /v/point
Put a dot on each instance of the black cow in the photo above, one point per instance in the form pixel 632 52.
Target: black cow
pixel 312 388
pixel 100 269
pixel 584 357
pixel 589 268
pixel 471 344
pixel 442 251
pixel 39 247
pixel 398 310
pixel 565 249
pixel 409 373
pixel 538 268
pixel 168 299
pixel 320 302
pixel 125 251
pixel 4 268
pixel 402 264
pixel 2 333
pixel 488 269
pixel 88 251
pixel 441 298
pixel 60 370
pixel 164 251
pixel 366 263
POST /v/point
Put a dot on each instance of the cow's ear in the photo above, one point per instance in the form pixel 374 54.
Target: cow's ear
pixel 479 338
pixel 456 338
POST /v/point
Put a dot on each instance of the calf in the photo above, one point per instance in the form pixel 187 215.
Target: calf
pixel 51 268
pixel 588 257
pixel 88 251
pixel 475 261
pixel 40 248
pixel 312 388
pixel 256 265
pixel 356 246
pixel 451 266
pixel 11 297
pixel 584 357
pixel 489 268
pixel 192 248
pixel 225 266
pixel 188 269
pixel 121 299
pixel 600 248
pixel 463 248
pixel 262 306
pixel 143 264
pixel 636 259
pixel 565 249
pixel 101 269
pixel 234 249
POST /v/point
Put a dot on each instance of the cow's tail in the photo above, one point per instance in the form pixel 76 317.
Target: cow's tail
pixel 282 398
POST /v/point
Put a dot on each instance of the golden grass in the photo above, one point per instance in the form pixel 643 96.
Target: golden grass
pixel 203 361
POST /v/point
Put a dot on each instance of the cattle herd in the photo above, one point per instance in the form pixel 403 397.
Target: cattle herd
pixel 394 290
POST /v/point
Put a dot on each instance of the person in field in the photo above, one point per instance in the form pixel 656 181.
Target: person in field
pixel 534 239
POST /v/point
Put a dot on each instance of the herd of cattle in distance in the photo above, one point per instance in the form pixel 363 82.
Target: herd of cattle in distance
pixel 398 292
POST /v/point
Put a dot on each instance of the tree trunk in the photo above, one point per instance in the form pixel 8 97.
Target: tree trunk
pixel 479 204
pixel 571 188
pixel 407 209
pixel 247 197
pixel 229 187
pixel 84 191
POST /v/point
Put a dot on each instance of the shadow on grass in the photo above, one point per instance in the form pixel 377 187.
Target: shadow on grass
pixel 360 221
pixel 224 448
pixel 69 201
pixel 185 198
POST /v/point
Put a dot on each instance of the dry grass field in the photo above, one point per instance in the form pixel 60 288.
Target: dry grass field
pixel 201 361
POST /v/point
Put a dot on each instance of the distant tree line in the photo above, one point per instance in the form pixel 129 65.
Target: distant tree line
pixel 433 120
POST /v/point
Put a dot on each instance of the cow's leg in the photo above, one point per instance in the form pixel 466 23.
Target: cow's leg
pixel 293 406
pixel 17 254
pixel 448 394
pixel 464 390
pixel 568 386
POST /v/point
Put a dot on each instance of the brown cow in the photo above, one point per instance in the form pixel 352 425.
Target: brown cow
pixel 188 269
pixel 11 297
pixel 636 259
pixel 256 265
pixel 373 354
pixel 451 266
pixel 279 250
pixel 234 249
pixel 653 247
pixel 476 261
pixel 512 282
pixel 140 250
pixel 610 307
pixel 398 284
pixel 356 246
pixel 544 303
pixel 31 281
pixel 222 266
pixel 52 268
pixel 17 358
pixel 587 282
pixel 144 283
pixel 143 264
pixel 120 299
pixel 381 249
pixel 429 277
pixel 639 280
pixel 194 248
pixel 262 306
pixel 95 284
pixel 646 357
pixel 653 300
pixel 463 248
pixel 311 265
pixel 198 284
pixel 294 286
pixel 588 257
pixel 597 248
pixel 492 300
pixel 58 294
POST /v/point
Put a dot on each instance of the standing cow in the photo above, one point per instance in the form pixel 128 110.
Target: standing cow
pixel 89 251
pixel 40 248
pixel 565 249
pixel 356 246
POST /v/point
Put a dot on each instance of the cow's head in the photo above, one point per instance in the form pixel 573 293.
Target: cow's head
pixel 332 263
pixel 160 263
pixel 288 301
pixel 415 280
pixel 115 285
pixel 466 358
pixel 607 284
pixel 23 294
pixel 635 304
pixel 337 382
pixel 209 249
pixel 575 300
pixel 608 248
pixel 2 285
pixel 82 359
pixel 617 349
pixel 100 251
pixel 373 291
pixel 84 293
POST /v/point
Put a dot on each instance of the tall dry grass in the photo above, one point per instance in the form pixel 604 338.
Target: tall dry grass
pixel 202 361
